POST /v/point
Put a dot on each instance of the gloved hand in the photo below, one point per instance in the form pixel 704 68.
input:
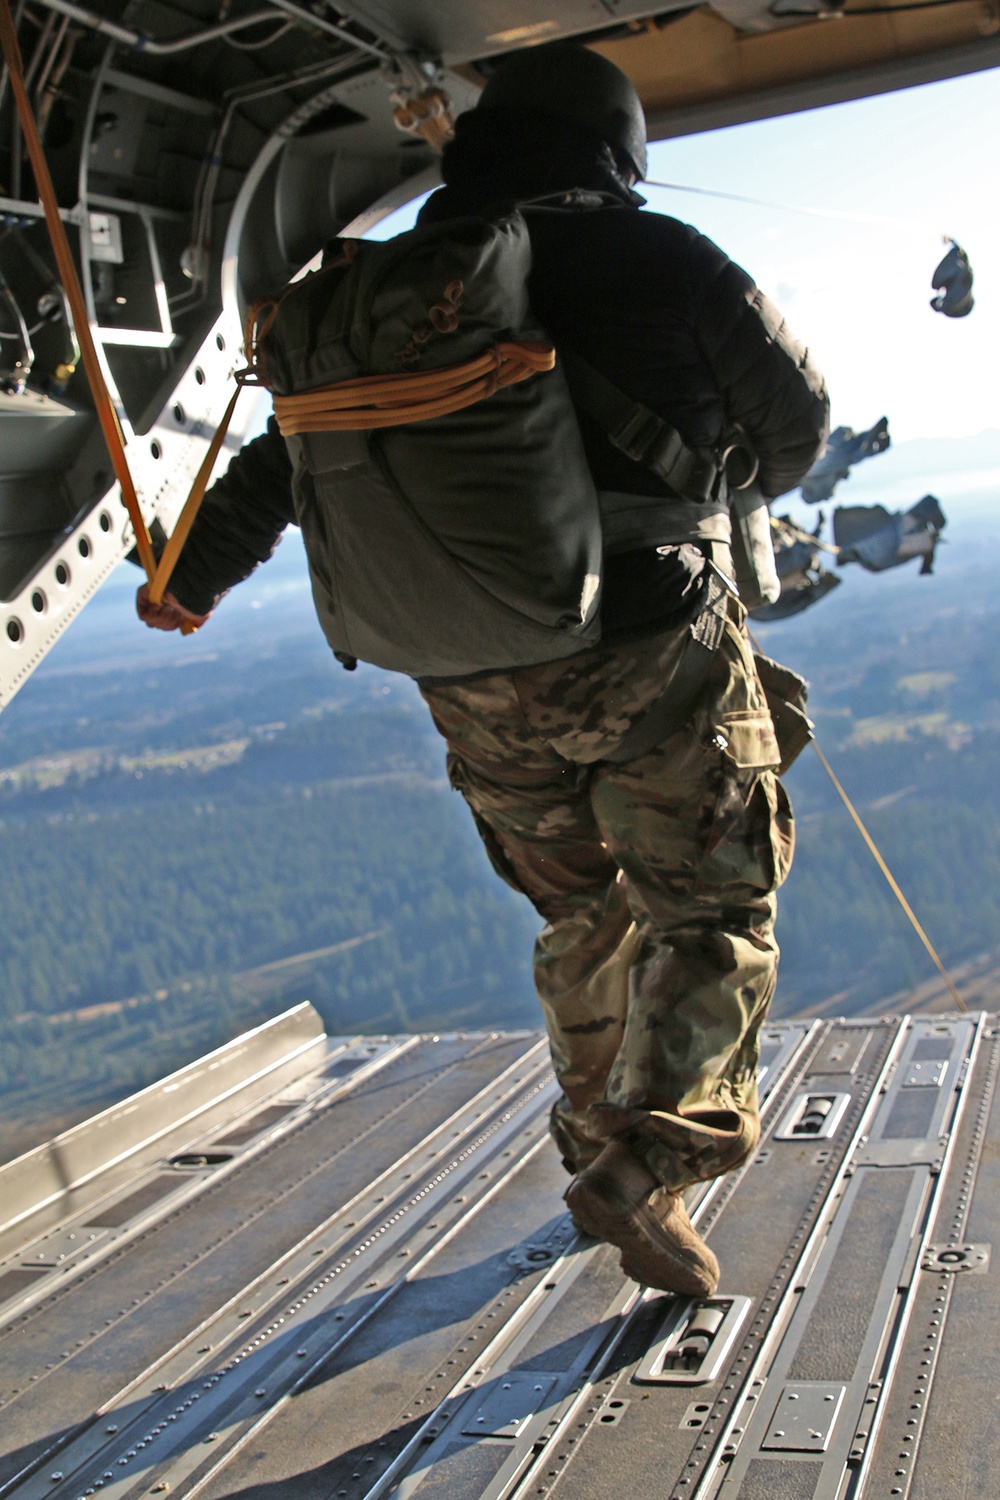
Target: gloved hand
pixel 170 614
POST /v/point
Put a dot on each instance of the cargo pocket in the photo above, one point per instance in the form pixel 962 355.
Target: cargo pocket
pixel 494 852
pixel 738 850
pixel 748 740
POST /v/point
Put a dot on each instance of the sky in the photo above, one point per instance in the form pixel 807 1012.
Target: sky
pixel 858 293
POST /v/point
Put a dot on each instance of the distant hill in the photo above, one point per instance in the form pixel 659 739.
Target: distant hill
pixel 918 456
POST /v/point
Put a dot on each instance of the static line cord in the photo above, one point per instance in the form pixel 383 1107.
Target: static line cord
pixel 805 536
pixel 877 220
pixel 893 885
pixel 877 856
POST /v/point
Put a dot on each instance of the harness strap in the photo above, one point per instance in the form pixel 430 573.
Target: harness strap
pixel 639 433
pixel 674 707
pixel 377 401
pixel 172 551
pixel 631 521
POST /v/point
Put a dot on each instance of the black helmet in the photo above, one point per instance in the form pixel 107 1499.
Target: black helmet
pixel 569 82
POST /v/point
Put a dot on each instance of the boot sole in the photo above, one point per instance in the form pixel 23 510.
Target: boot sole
pixel 649 1254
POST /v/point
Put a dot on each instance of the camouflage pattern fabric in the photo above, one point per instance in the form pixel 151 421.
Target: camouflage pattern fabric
pixel 656 879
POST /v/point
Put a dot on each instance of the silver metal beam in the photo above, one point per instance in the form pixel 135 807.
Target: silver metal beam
pixel 64 1165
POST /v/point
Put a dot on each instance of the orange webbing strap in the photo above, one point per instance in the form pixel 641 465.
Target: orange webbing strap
pixel 182 528
pixel 106 413
pixel 375 401
pixel 179 535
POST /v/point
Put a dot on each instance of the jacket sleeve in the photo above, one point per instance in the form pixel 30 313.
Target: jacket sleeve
pixel 768 379
pixel 239 524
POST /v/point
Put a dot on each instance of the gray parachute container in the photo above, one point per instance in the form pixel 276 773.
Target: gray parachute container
pixel 803 580
pixel 465 543
pixel 843 450
pixel 877 539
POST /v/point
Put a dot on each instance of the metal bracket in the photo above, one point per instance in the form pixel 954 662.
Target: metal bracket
pixel 813 1117
pixel 841 1055
pixel 925 1075
pixel 974 1258
pixel 804 1417
pixel 696 1414
pixel 509 1405
pixel 866 1423
pixel 612 1411
pixel 903 1152
pixel 691 1344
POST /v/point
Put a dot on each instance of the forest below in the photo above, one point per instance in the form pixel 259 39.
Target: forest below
pixel 153 913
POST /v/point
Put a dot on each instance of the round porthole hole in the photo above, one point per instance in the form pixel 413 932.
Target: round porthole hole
pixel 104 521
pixel 15 632
pixel 62 575
pixel 155 449
pixel 83 546
pixel 39 603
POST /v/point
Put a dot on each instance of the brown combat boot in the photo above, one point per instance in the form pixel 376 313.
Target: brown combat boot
pixel 617 1199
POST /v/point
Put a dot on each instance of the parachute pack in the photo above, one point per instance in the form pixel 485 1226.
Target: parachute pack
pixel 446 534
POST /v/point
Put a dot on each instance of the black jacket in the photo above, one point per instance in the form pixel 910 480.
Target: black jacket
pixel 659 309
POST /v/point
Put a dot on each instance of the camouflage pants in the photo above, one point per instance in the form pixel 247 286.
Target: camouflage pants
pixel 656 879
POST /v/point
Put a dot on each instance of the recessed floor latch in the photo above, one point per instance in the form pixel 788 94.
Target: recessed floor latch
pixel 691 1344
pixel 207 1158
pixel 813 1117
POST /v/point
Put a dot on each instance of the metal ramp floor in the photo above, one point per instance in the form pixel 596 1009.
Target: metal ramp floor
pixel 309 1267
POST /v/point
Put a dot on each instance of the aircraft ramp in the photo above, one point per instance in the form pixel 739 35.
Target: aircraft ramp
pixel 341 1267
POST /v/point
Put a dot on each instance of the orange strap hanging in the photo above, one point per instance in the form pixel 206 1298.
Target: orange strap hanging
pixel 375 401
pixel 179 535
pixel 107 416
pixel 158 573
pixel 893 885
